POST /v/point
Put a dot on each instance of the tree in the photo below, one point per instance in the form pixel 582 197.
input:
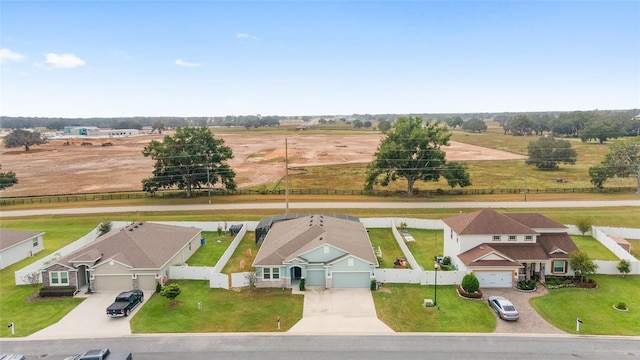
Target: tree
pixel 188 159
pixel 358 124
pixel 7 179
pixel 622 161
pixel 158 125
pixel 474 125
pixel 384 125
pixel 366 124
pixel 411 150
pixel 624 267
pixel 584 225
pixel 20 137
pixel 581 264
pixel 470 283
pixel 104 227
pixel 547 152
pixel 171 291
pixel 454 122
pixel 601 130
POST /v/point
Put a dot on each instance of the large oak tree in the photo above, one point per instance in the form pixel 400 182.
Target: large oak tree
pixel 411 150
pixel 26 138
pixel 547 153
pixel 622 161
pixel 189 159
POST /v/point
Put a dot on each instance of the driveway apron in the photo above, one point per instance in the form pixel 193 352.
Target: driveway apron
pixel 530 321
pixel 89 319
pixel 339 311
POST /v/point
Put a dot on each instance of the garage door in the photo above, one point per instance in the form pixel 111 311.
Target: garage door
pixel 119 282
pixel 315 278
pixel 351 280
pixel 494 279
pixel 147 282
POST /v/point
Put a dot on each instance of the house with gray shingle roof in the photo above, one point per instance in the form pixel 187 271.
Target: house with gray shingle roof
pixel 328 251
pixel 501 249
pixel 137 256
pixel 16 245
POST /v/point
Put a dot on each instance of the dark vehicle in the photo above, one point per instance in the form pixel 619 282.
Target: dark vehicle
pixel 125 302
pixel 101 354
pixel 504 308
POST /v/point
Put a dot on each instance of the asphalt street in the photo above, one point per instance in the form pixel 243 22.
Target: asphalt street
pixel 324 205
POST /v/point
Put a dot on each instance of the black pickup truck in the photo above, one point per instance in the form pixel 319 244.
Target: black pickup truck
pixel 125 302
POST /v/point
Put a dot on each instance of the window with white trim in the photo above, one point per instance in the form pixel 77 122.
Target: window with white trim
pixel 59 278
pixel 528 238
pixel 496 237
pixel 266 273
pixel 512 238
pixel 35 242
pixel 275 273
pixel 559 266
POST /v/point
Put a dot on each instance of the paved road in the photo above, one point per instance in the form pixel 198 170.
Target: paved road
pixel 325 205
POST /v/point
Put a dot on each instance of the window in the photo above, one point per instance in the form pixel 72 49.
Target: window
pixel 266 273
pixel 59 278
pixel 276 273
pixel 528 238
pixel 559 267
pixel 512 238
pixel 496 237
pixel 35 242
pixel 271 274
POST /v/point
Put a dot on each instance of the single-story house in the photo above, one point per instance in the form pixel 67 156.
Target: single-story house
pixel 137 256
pixel 328 251
pixel 16 245
pixel 502 249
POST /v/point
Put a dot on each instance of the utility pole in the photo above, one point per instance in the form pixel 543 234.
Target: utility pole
pixel 286 176
pixel 208 181
pixel 525 180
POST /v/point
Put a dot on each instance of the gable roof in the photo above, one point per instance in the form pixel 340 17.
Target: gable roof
pixel 9 237
pixel 289 239
pixel 535 221
pixel 138 245
pixel 557 245
pixel 486 222
pixel 474 257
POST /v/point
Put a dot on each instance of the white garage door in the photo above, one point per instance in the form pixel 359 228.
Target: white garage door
pixel 494 279
pixel 351 280
pixel 315 278
pixel 147 282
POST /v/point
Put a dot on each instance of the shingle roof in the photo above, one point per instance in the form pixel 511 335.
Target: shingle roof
pixel 9 237
pixel 288 239
pixel 472 257
pixel 139 245
pixel 486 222
pixel 535 221
pixel 557 241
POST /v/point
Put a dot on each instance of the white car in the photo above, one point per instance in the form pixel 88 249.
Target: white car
pixel 504 308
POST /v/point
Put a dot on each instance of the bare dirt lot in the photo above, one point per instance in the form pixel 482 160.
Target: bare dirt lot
pixel 57 168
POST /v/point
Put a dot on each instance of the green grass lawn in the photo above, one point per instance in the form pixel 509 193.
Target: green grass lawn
pixel 400 306
pixel 245 252
pixel 221 311
pixel 428 245
pixel 635 248
pixel 593 248
pixel 561 307
pixel 210 253
pixel 384 239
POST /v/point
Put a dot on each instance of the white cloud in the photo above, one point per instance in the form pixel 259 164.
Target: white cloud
pixel 66 61
pixel 181 62
pixel 246 36
pixel 6 55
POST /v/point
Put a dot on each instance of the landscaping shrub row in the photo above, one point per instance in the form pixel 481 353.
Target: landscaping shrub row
pixel 57 291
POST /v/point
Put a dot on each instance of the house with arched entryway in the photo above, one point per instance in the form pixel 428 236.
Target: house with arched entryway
pixel 325 250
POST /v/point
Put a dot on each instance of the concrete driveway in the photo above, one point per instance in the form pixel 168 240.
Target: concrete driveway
pixel 530 321
pixel 339 311
pixel 89 319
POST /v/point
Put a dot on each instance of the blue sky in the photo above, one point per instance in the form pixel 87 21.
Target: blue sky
pixel 216 58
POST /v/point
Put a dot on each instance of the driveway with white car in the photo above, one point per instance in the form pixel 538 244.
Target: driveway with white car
pixel 89 319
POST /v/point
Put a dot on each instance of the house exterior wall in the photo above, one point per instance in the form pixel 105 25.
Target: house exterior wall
pixel 21 251
pixel 72 275
pixel 322 254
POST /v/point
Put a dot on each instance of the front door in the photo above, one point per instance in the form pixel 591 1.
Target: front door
pixel 296 273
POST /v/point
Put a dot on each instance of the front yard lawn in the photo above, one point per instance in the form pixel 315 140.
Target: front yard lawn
pixel 400 306
pixel 561 307
pixel 210 253
pixel 221 311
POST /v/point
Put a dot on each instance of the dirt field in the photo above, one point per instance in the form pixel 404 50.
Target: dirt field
pixel 56 168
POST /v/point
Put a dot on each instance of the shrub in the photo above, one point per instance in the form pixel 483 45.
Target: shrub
pixel 473 295
pixel 158 287
pixel 56 291
pixel 374 285
pixel 446 260
pixel 621 306
pixel 526 284
pixel 302 284
pixel 470 283
pixel 171 291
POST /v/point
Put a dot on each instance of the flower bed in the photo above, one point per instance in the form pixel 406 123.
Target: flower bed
pixel 464 294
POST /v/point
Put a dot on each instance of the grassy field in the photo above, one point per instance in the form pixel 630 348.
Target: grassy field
pixel 400 306
pixel 561 307
pixel 220 311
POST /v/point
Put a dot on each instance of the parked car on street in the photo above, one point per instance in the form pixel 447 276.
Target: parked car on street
pixel 125 302
pixel 101 354
pixel 504 308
